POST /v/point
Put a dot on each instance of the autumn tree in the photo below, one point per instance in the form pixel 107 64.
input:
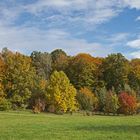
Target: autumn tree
pixel 38 98
pixel 101 95
pixel 134 76
pixel 59 60
pixel 87 100
pixel 115 69
pixel 111 104
pixel 61 93
pixel 128 104
pixel 82 70
pixel 19 78
pixel 42 63
pixel 2 75
pixel 4 103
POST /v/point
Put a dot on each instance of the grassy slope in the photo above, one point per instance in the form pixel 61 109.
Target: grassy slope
pixel 27 126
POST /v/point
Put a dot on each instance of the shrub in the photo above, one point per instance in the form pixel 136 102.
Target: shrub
pixel 51 108
pixel 4 104
pixel 101 97
pixel 87 100
pixel 111 103
pixel 39 106
pixel 127 103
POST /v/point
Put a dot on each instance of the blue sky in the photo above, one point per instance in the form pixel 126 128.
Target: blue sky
pixel 98 27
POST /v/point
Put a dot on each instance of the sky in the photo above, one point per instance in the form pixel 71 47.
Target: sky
pixel 97 27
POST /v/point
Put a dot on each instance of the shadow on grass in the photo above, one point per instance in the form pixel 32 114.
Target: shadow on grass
pixel 111 128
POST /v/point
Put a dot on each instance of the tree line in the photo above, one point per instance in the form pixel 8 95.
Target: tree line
pixel 58 83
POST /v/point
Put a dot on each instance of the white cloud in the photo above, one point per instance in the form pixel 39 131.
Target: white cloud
pixel 134 44
pixel 119 37
pixel 86 12
pixel 75 11
pixel 65 13
pixel 132 3
pixel 27 40
pixel 135 54
pixel 60 12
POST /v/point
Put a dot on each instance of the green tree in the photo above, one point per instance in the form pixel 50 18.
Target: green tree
pixel 111 103
pixel 61 94
pixel 59 60
pixel 101 94
pixel 4 103
pixel 82 70
pixel 42 63
pixel 19 78
pixel 115 69
pixel 87 99
pixel 38 98
pixel 134 76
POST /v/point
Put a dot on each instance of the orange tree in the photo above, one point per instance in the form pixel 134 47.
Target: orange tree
pixel 128 104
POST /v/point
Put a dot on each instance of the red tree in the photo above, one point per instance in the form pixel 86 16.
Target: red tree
pixel 127 103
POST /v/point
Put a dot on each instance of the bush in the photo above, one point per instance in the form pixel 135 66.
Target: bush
pixel 39 106
pixel 51 109
pixel 101 94
pixel 87 100
pixel 111 103
pixel 127 103
pixel 4 104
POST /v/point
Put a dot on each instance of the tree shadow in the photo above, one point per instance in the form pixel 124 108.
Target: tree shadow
pixel 111 128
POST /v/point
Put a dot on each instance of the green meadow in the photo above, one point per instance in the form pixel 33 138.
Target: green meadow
pixel 28 126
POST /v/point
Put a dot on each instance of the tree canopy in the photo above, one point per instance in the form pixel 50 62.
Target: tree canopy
pixel 60 83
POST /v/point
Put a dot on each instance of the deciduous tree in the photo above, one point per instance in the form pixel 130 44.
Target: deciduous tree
pixel 128 104
pixel 42 63
pixel 61 93
pixel 82 70
pixel 19 78
pixel 115 71
pixel 111 103
pixel 87 99
pixel 59 60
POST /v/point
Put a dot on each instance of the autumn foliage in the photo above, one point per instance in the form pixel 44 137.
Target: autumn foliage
pixel 58 83
pixel 127 103
pixel 87 99
pixel 111 104
pixel 61 93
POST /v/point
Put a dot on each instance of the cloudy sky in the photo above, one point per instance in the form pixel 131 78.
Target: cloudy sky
pixel 98 27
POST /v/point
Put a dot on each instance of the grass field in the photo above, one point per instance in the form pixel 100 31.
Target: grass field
pixel 28 126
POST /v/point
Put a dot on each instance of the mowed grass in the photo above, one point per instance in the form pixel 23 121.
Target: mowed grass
pixel 28 126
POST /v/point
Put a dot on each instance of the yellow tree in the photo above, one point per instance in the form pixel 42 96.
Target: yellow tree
pixel 61 93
